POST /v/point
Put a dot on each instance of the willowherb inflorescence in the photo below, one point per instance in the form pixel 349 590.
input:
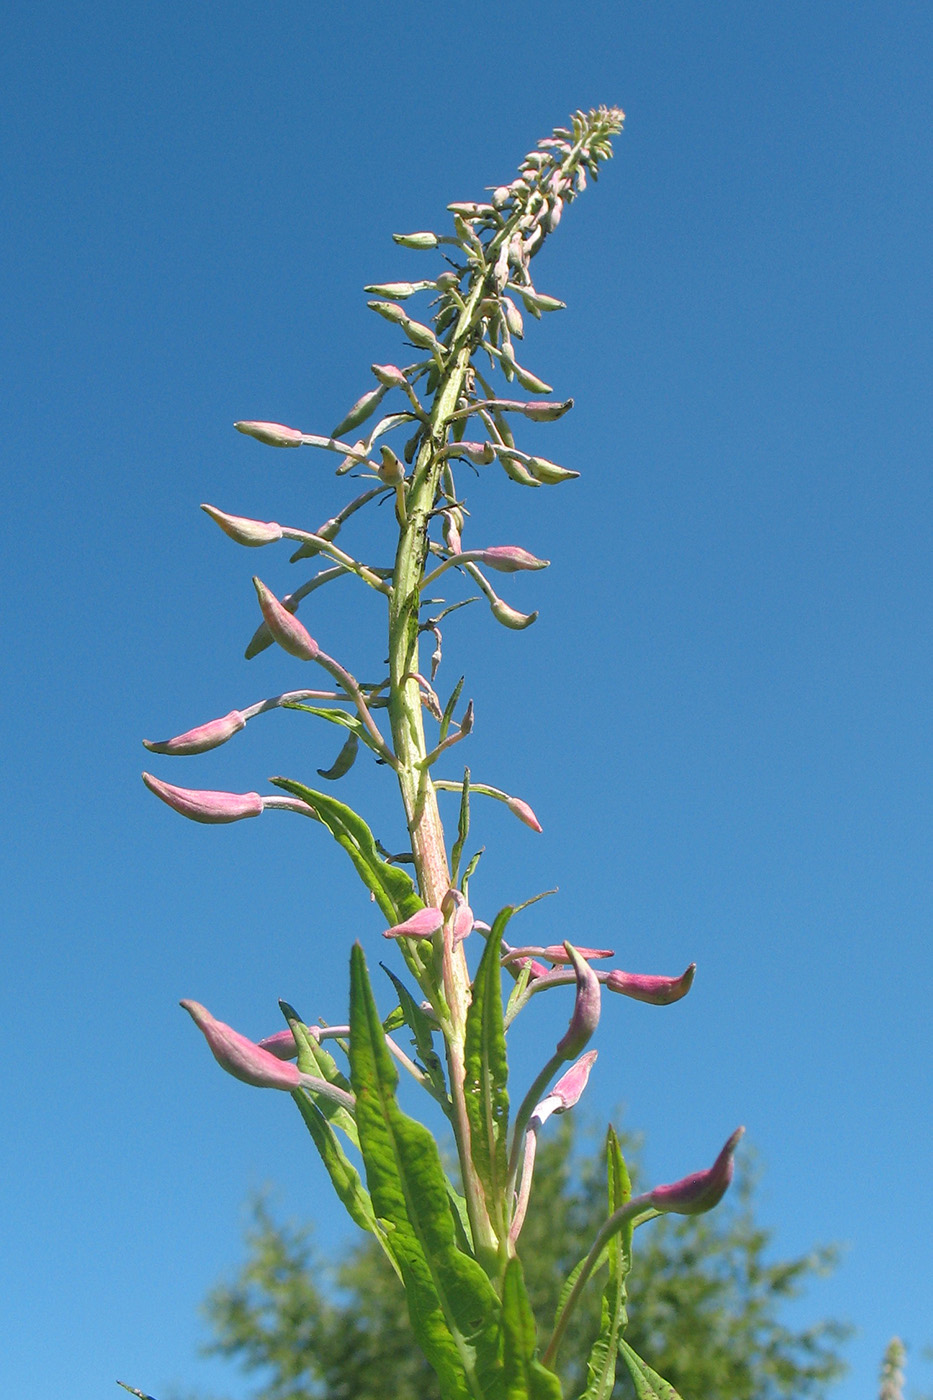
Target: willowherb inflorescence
pixel 456 1248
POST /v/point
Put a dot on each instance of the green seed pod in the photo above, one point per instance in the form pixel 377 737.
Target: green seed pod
pixel 416 240
pixel 360 411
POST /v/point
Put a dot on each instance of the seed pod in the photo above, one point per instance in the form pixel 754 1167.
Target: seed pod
pixel 361 410
pixel 249 532
pixel 416 240
pixel 273 434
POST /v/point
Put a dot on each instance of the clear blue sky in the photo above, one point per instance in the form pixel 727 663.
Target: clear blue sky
pixel 722 716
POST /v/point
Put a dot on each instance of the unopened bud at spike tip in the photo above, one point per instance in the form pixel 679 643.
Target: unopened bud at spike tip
pixel 695 1194
pixel 212 808
pixel 204 737
pixel 243 530
pixel 241 1057
pixel 273 434
pixel 291 635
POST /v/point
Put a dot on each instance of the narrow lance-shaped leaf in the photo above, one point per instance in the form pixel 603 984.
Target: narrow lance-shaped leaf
pixel 648 1384
pixel 525 1377
pixel 601 1364
pixel 486 1076
pixel 391 887
pixel 419 1025
pixel 453 1306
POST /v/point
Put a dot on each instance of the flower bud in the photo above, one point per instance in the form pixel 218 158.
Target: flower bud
pixel 281 1044
pixel 419 335
pixel 544 412
pixel 455 908
pixel 389 309
pixel 206 736
pixel 275 434
pixel 291 635
pixel 571 1084
pixel 416 240
pixel 402 290
pixel 585 1016
pixel 510 558
pixel 548 473
pixel 390 376
pixel 513 463
pixel 482 453
pixel 700 1192
pixel 391 471
pixel 360 411
pixel 511 617
pixel 557 953
pixel 209 807
pixel 424 924
pixel 240 1057
pixel 540 300
pixel 500 196
pixel 657 991
pixel 513 318
pixel 243 530
pixel 530 381
pixel 520 809
pixel 451 525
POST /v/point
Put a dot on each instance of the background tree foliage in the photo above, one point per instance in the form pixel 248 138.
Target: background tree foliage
pixel 705 1302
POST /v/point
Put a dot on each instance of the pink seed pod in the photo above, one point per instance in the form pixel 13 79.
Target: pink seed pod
pixel 520 809
pixel 209 807
pixel 245 531
pixel 455 908
pixel 424 924
pixel 657 991
pixel 700 1192
pixel 206 736
pixel 240 1057
pixel 291 635
pixel 510 559
pixel 274 434
pixel 586 1007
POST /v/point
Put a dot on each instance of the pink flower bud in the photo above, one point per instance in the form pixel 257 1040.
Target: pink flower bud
pixel 424 924
pixel 557 953
pixel 211 807
pixel 511 617
pixel 520 809
pixel 243 530
pixel 571 1084
pixel 585 1016
pixel 281 1044
pixel 657 991
pixel 700 1192
pixel 241 1057
pixel 544 412
pixel 482 453
pixel 206 736
pixel 510 558
pixel 455 908
pixel 275 434
pixel 291 635
pixel 422 239
pixel 391 470
pixel 390 376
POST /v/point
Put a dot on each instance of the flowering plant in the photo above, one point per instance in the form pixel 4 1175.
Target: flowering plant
pixel 456 1248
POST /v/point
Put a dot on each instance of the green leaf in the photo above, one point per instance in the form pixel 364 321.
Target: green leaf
pixel 314 1059
pixel 601 1365
pixel 422 1029
pixel 463 828
pixel 346 721
pixel 449 708
pixel 344 760
pixel 648 1384
pixel 454 1310
pixel 525 1377
pixel 486 1074
pixel 393 890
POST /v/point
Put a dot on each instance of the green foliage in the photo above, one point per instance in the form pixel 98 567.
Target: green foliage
pixel 705 1302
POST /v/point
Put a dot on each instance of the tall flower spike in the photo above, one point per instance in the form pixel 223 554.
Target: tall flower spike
pixel 241 1057
pixel 585 1016
pixel 700 1192
pixel 291 635
pixel 209 807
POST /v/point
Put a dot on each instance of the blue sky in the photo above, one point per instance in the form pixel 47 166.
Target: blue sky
pixel 721 717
